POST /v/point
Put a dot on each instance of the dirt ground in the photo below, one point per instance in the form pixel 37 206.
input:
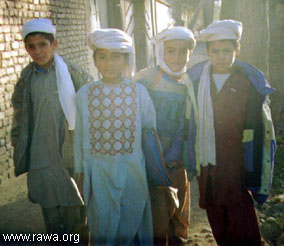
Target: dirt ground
pixel 199 229
pixel 18 215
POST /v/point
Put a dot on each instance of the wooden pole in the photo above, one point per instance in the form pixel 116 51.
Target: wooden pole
pixel 141 47
pixel 115 18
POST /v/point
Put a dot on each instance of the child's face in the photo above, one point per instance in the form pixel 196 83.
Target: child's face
pixel 176 54
pixel 41 50
pixel 110 64
pixel 222 54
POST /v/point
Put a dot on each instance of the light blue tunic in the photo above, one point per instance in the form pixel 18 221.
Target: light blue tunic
pixel 108 150
pixel 169 99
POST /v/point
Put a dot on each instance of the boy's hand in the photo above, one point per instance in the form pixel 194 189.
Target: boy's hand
pixel 80 183
pixel 190 176
pixel 171 164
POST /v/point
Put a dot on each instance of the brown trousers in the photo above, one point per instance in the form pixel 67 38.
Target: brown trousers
pixel 235 225
pixel 171 209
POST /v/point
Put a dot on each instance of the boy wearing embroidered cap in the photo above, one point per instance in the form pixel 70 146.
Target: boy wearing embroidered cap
pixel 167 84
pixel 235 136
pixel 111 114
pixel 42 136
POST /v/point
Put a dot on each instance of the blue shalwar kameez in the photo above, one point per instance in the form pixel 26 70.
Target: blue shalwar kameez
pixel 108 150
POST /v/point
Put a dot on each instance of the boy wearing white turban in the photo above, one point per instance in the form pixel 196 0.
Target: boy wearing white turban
pixel 169 88
pixel 235 137
pixel 111 114
pixel 42 136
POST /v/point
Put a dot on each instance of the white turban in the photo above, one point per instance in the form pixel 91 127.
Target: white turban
pixel 110 39
pixel 223 29
pixel 175 32
pixel 115 40
pixel 38 25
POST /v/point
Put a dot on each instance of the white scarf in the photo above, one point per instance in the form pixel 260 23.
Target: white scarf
pixel 206 135
pixel 164 66
pixel 66 90
pixel 174 32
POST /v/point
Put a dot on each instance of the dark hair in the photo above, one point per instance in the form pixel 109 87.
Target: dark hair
pixel 126 55
pixel 191 43
pixel 236 43
pixel 48 36
pixel 94 54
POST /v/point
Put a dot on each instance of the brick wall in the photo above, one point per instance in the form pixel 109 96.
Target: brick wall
pixel 71 18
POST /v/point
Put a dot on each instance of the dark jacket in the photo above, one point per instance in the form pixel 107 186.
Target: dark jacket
pixel 258 148
pixel 22 128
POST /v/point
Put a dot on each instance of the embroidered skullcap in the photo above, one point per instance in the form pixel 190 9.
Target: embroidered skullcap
pixel 111 39
pixel 222 29
pixel 38 25
pixel 172 32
